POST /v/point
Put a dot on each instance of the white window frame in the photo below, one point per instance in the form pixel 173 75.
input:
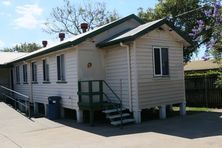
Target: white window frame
pixel 161 64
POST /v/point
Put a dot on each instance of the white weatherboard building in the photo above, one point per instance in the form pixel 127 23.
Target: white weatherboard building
pixel 142 64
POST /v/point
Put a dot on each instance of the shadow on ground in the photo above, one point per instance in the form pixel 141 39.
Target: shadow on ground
pixel 197 125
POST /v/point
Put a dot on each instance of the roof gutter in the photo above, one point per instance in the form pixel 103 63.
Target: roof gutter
pixel 129 73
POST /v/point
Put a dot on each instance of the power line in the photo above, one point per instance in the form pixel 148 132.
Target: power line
pixel 188 12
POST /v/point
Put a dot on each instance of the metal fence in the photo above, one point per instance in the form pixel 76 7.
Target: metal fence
pixel 202 92
pixel 17 100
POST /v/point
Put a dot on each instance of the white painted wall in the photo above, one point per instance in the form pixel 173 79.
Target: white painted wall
pixel 156 91
pixel 88 53
pixel 116 70
pixel 41 92
pixel 111 64
pixel 76 61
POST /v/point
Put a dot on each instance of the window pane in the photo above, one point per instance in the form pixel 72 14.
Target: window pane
pixel 44 70
pixel 165 61
pixel 34 72
pixel 62 68
pixel 25 77
pixel 47 72
pixel 58 68
pixel 23 73
pixel 17 74
pixel 157 61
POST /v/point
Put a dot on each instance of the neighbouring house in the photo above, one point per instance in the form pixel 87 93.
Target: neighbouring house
pixel 201 66
pixel 134 65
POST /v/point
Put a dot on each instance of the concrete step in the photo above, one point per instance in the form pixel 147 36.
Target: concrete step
pixel 124 121
pixel 118 116
pixel 108 111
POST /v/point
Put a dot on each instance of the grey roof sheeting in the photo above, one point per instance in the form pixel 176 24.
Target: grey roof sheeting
pixel 6 57
pixel 76 39
pixel 141 30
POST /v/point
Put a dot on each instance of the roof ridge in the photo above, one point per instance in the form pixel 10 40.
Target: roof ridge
pixel 78 38
pixel 145 28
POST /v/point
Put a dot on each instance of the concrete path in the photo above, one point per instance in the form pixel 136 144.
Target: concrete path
pixel 201 130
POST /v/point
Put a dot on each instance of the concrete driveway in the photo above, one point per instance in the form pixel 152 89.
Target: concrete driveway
pixel 200 130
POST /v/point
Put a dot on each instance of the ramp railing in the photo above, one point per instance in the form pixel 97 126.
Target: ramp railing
pixel 18 100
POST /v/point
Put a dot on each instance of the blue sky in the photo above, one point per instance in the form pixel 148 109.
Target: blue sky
pixel 21 21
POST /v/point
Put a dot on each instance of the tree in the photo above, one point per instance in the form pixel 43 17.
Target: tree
pixel 209 31
pixel 69 17
pixel 171 9
pixel 25 47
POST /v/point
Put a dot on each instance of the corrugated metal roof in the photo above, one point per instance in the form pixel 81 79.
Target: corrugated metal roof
pixel 76 39
pixel 6 57
pixel 143 29
pixel 201 65
pixel 135 30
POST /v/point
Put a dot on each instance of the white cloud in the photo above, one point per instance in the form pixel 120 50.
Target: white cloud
pixel 6 2
pixel 29 16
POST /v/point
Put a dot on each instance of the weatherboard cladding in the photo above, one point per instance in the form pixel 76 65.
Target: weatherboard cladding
pixel 4 77
pixel 156 91
pixel 116 69
pixel 41 91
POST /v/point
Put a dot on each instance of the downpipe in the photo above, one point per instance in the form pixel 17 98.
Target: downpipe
pixel 129 74
pixel 31 87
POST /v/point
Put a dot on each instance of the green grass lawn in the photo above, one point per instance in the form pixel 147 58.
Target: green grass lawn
pixel 194 109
